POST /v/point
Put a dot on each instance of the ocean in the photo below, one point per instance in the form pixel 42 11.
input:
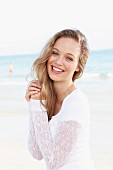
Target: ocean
pixel 99 66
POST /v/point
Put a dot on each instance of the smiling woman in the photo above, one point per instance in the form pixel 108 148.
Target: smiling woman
pixel 59 111
pixel 64 60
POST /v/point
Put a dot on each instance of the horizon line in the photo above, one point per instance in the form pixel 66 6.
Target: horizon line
pixel 16 54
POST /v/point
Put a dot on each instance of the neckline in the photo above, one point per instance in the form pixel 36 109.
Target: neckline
pixel 57 115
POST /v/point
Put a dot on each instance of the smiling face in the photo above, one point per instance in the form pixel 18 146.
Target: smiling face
pixel 64 59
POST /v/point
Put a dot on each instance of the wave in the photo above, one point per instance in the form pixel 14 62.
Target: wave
pixel 22 80
pixel 97 76
pixel 13 83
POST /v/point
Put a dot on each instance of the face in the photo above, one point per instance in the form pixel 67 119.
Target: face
pixel 64 59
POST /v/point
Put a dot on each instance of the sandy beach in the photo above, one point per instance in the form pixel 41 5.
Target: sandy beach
pixel 14 115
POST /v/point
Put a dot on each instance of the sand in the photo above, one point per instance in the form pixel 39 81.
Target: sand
pixel 14 153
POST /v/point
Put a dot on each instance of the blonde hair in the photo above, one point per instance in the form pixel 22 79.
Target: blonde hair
pixel 40 66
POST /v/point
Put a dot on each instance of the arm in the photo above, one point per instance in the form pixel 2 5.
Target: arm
pixel 33 91
pixel 32 143
pixel 56 151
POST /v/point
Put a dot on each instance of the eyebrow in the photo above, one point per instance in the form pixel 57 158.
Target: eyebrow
pixel 66 53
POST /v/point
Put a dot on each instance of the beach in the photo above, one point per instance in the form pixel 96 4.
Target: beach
pixel 14 118
pixel 96 83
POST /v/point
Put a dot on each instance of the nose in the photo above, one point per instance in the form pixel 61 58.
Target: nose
pixel 59 60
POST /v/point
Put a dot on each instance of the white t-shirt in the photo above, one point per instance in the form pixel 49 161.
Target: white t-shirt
pixel 63 142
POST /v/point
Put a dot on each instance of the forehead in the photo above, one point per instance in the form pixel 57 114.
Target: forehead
pixel 67 45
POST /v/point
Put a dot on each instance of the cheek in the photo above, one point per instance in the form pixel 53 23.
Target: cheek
pixel 50 60
pixel 71 67
pixel 75 66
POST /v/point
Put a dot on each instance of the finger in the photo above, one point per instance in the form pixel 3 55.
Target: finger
pixel 34 85
pixel 33 89
pixel 28 94
pixel 32 81
pixel 35 96
pixel 35 82
pixel 27 97
pixel 32 93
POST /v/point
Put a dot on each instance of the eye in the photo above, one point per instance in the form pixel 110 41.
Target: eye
pixel 69 58
pixel 54 53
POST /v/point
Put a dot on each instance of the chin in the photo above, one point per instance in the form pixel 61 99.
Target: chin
pixel 55 78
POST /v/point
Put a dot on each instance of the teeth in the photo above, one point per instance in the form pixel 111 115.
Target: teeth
pixel 56 69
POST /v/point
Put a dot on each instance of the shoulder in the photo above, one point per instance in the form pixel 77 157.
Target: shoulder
pixel 76 107
pixel 76 99
pixel 78 96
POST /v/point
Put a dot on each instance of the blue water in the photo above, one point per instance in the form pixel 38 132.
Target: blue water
pixel 21 67
pixel 99 65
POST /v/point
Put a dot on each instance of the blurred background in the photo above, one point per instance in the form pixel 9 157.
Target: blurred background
pixel 25 27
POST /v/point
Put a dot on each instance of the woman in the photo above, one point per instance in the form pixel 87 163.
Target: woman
pixel 59 111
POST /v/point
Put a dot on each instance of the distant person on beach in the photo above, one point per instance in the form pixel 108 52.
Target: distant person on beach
pixel 10 68
pixel 59 120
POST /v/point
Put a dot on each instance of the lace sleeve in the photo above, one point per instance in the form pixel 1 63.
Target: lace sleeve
pixel 56 151
pixel 32 143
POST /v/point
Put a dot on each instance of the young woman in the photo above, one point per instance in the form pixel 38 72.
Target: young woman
pixel 59 111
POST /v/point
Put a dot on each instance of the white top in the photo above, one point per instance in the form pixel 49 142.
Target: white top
pixel 63 142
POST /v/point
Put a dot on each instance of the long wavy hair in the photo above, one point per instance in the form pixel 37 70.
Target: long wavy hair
pixel 40 67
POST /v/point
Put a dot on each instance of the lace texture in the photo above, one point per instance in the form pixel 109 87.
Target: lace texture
pixel 32 143
pixel 55 152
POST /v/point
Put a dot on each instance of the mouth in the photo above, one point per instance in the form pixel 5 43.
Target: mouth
pixel 56 70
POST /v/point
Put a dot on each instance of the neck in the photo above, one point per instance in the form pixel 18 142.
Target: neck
pixel 62 89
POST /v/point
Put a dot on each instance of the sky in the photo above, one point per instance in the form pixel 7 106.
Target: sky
pixel 26 25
